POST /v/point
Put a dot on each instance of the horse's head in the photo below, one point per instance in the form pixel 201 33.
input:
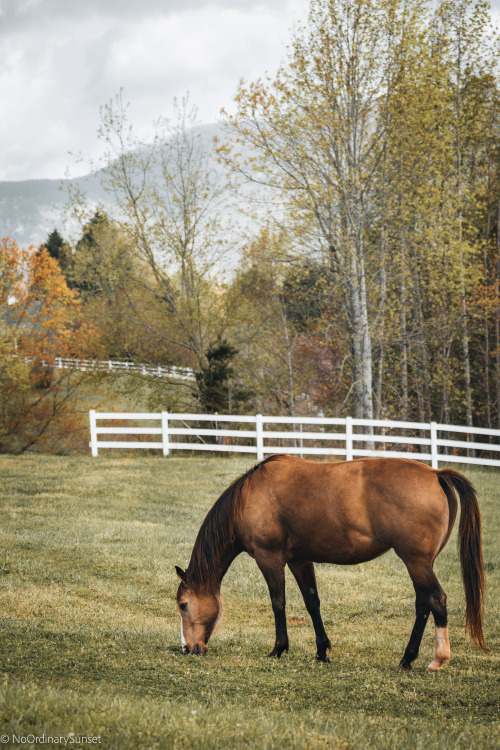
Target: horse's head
pixel 200 612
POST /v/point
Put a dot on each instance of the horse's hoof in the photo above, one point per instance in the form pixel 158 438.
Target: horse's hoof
pixel 323 659
pixel 404 667
pixel 434 667
pixel 277 651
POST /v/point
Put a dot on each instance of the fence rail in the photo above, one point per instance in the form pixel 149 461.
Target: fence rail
pixel 305 436
pixel 117 366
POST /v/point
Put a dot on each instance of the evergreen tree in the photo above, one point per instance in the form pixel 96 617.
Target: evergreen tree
pixel 102 261
pixel 217 392
pixel 58 248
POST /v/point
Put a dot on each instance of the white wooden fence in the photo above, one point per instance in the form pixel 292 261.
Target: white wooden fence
pixel 304 436
pixel 116 366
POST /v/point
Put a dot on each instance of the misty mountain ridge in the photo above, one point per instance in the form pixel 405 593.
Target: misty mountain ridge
pixel 31 209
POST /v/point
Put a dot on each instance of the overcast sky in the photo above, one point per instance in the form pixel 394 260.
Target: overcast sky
pixel 60 60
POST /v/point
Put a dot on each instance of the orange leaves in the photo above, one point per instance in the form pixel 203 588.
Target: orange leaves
pixel 10 270
pixel 39 321
pixel 46 280
pixel 40 309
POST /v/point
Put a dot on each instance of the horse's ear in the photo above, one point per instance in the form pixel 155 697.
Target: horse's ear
pixel 181 573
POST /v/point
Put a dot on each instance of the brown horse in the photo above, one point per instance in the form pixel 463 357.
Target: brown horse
pixel 287 511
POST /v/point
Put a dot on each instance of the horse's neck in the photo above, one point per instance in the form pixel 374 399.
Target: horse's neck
pixel 225 559
pixel 209 566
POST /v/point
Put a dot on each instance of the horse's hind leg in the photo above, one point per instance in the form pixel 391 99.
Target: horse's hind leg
pixel 306 579
pixel 422 608
pixel 442 652
pixel 430 597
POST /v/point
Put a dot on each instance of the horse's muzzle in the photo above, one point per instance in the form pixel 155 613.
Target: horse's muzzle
pixel 198 648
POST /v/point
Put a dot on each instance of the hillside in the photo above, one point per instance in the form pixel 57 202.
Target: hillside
pixel 30 209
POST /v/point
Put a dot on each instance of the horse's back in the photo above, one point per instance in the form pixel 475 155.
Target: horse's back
pixel 345 512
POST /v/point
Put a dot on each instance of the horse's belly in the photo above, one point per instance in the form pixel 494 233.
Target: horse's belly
pixel 356 549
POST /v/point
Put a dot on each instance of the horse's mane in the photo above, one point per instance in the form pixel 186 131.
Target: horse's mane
pixel 217 531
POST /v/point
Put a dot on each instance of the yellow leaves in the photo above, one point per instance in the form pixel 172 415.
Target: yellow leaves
pixel 38 322
pixel 42 309
pixel 10 270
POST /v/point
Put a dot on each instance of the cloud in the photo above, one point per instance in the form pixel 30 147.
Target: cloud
pixel 63 60
pixel 24 14
pixel 177 53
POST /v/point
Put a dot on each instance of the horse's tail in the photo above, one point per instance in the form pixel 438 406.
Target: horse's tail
pixel 471 554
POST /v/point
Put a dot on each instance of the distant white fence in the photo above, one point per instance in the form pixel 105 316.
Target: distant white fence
pixel 114 365
pixel 304 436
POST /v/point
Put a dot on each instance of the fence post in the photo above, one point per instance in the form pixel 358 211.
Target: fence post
pixel 434 446
pixel 348 439
pixel 260 437
pixel 93 432
pixel 164 433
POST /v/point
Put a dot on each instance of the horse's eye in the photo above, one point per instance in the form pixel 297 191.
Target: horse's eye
pixel 183 605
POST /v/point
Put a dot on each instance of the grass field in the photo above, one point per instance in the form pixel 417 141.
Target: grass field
pixel 70 434
pixel 89 630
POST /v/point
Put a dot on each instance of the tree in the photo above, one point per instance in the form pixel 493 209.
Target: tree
pixel 464 26
pixel 58 248
pixel 102 263
pixel 305 294
pixel 217 390
pixel 260 321
pixel 287 327
pixel 432 203
pixel 166 197
pixel 374 134
pixel 320 130
pixel 39 322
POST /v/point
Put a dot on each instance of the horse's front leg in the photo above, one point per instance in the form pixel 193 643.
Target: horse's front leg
pixel 272 567
pixel 306 579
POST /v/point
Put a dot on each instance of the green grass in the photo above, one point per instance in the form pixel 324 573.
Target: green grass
pixel 125 393
pixel 89 630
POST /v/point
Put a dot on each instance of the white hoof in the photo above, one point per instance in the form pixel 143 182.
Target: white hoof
pixel 435 666
pixel 442 655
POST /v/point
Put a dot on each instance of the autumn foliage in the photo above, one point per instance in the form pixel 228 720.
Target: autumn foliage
pixel 39 322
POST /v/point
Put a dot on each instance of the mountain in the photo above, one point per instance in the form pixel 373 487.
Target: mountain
pixel 30 209
pixel 27 209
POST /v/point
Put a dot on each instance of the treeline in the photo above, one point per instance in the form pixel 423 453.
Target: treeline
pixel 370 283
pixel 381 130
